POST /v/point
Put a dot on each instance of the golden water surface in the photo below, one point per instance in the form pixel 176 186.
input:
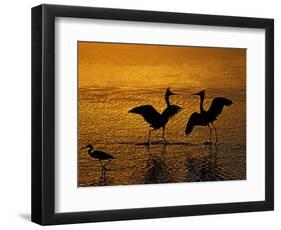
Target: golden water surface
pixel 114 78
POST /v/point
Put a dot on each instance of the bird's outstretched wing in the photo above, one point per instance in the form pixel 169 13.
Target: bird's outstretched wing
pixel 148 112
pixel 192 121
pixel 171 110
pixel 217 105
pixel 195 119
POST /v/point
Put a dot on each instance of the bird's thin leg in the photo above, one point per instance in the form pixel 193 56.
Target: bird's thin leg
pixel 102 179
pixel 210 133
pixel 148 141
pixel 101 164
pixel 106 164
pixel 163 135
pixel 215 133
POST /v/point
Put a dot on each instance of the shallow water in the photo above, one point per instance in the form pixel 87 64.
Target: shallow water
pixel 104 121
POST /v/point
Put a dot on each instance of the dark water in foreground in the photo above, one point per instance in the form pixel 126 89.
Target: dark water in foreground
pixel 105 123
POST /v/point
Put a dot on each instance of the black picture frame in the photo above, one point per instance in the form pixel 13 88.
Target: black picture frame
pixel 43 114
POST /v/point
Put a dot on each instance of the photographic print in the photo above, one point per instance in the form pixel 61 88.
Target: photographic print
pixel 176 109
pixel 153 114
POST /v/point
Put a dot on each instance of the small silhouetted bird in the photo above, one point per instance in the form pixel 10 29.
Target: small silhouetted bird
pixel 155 119
pixel 100 155
pixel 205 118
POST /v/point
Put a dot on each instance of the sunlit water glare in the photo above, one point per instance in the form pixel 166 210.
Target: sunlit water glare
pixel 104 121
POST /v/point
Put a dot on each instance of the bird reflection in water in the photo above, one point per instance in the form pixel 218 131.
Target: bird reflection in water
pixel 156 168
pixel 205 168
pixel 103 179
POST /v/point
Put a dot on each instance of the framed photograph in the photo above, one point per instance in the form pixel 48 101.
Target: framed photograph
pixel 142 114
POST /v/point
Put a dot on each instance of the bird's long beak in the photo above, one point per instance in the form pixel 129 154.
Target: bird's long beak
pixel 197 94
pixel 173 93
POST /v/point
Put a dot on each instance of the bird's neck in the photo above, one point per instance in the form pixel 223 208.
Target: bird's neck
pixel 167 100
pixel 202 97
pixel 90 150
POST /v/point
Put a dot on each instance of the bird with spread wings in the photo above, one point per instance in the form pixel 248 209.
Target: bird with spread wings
pixel 155 119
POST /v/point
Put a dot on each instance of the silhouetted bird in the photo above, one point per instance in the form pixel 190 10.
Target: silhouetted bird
pixel 100 155
pixel 156 119
pixel 207 117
